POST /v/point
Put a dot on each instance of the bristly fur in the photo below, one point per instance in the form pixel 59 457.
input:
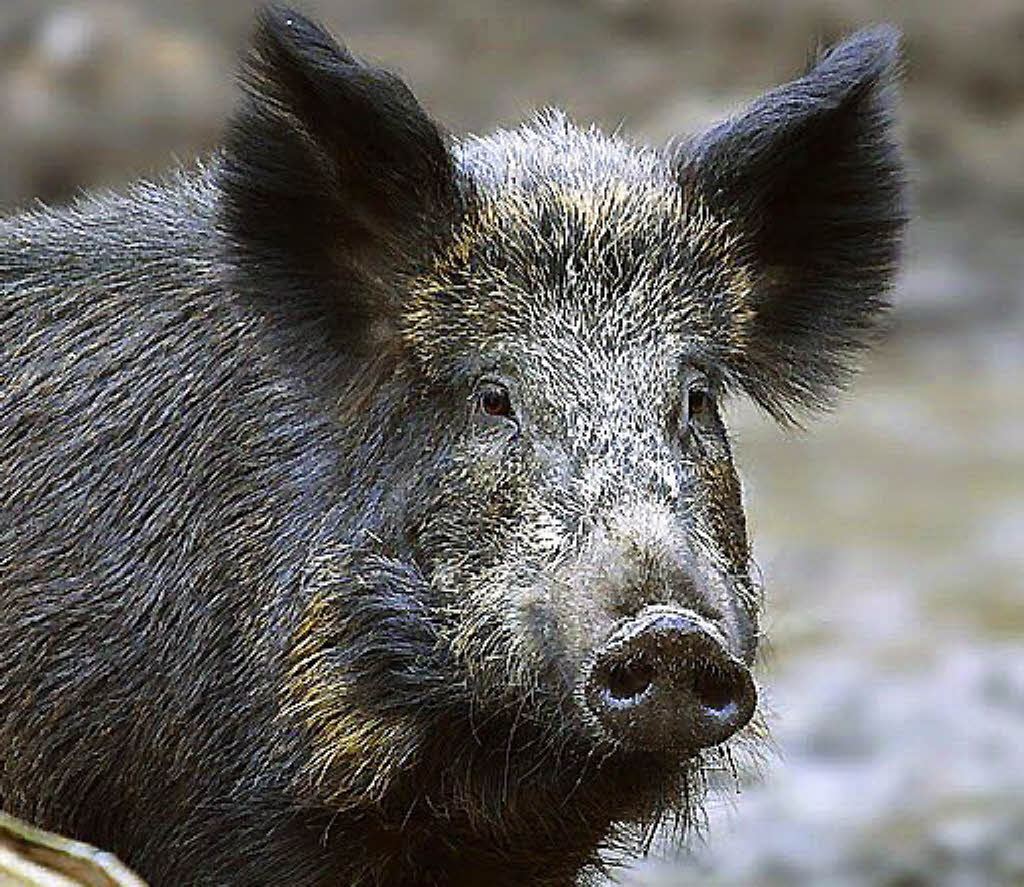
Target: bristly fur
pixel 281 602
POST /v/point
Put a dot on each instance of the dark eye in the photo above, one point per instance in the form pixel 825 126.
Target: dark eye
pixel 698 402
pixel 494 401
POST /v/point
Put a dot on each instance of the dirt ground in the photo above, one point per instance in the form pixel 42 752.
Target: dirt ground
pixel 891 535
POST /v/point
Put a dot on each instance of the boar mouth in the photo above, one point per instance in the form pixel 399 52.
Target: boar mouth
pixel 665 682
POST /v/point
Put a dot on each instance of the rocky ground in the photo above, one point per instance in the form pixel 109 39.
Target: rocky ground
pixel 891 536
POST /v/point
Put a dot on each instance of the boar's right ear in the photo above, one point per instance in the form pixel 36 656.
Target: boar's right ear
pixel 335 183
pixel 810 180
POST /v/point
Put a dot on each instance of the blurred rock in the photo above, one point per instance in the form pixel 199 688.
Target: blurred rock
pixel 93 94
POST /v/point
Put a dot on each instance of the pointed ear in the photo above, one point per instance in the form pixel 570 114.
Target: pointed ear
pixel 335 182
pixel 811 181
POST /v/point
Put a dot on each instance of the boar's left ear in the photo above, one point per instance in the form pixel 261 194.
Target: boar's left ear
pixel 811 180
pixel 335 182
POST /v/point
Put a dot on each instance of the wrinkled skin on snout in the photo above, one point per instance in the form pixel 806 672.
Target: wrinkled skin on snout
pixel 367 513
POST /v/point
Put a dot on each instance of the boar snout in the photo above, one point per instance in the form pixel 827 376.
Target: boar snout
pixel 666 682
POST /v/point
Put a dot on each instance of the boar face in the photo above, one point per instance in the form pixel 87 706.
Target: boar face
pixel 573 325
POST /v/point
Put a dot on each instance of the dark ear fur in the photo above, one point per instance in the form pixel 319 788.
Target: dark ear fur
pixel 335 182
pixel 812 178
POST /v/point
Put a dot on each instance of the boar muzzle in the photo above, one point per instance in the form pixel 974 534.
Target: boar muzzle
pixel 666 682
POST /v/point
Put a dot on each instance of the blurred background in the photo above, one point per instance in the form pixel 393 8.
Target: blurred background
pixel 890 536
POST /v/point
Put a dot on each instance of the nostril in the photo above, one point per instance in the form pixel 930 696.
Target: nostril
pixel 715 689
pixel 629 680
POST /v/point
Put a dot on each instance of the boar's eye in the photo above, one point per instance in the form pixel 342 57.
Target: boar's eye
pixel 698 402
pixel 494 401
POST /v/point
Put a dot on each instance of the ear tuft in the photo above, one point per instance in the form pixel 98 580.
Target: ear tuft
pixel 333 177
pixel 813 180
